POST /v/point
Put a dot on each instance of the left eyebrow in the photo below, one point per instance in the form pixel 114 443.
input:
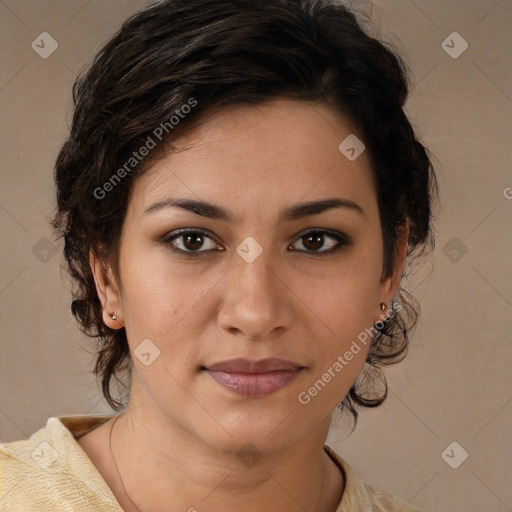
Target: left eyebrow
pixel 296 212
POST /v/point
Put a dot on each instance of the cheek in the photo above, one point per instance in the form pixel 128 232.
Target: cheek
pixel 162 300
pixel 344 301
pixel 344 310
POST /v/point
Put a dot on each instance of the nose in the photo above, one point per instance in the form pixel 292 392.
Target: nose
pixel 256 300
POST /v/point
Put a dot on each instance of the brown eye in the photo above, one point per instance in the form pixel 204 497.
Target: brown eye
pixel 190 241
pixel 314 240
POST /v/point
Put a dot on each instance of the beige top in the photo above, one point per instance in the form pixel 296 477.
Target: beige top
pixel 50 472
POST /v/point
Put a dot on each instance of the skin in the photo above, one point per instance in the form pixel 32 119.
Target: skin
pixel 181 432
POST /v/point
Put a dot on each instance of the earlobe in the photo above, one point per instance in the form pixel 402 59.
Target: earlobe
pixel 112 320
pixel 107 291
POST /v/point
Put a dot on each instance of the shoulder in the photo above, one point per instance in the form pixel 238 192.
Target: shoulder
pixel 361 496
pixel 49 471
pixel 384 501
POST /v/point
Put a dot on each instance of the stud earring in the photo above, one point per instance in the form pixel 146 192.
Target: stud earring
pixel 383 306
pixel 115 316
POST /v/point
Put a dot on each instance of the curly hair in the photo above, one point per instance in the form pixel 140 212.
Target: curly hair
pixel 209 55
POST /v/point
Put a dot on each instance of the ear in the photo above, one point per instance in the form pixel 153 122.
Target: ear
pixel 389 285
pixel 108 292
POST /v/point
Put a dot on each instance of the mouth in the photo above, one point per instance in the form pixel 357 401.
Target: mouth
pixel 253 379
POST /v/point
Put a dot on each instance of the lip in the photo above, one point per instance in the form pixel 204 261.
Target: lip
pixel 241 365
pixel 254 378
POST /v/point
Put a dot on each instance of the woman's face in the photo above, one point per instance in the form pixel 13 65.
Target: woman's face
pixel 251 283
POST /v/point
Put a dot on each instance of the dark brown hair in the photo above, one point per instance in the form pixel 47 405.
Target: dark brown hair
pixel 207 55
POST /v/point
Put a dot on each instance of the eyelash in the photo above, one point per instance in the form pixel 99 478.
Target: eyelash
pixel 342 239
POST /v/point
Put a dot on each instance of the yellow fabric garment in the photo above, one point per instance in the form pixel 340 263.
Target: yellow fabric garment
pixel 49 472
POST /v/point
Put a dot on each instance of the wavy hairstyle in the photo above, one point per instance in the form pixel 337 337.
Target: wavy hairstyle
pixel 234 52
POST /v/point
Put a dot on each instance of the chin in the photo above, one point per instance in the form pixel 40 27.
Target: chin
pixel 268 431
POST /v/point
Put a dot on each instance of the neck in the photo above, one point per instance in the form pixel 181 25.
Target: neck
pixel 153 453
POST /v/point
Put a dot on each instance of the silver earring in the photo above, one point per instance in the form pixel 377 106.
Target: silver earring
pixel 115 316
pixel 383 306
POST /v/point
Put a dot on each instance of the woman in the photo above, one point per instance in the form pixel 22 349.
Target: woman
pixel 239 195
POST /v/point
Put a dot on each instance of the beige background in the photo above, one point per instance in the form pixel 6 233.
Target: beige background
pixel 455 383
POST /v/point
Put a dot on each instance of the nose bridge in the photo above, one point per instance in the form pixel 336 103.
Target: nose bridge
pixel 256 300
pixel 256 274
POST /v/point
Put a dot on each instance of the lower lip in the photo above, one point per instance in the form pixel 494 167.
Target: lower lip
pixel 254 384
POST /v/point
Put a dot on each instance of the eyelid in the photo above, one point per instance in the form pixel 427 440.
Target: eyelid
pixel 330 232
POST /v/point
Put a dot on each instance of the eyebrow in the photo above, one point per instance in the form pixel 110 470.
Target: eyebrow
pixel 296 212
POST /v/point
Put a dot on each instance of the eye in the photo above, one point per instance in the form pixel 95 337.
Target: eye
pixel 314 239
pixel 190 241
pixel 193 241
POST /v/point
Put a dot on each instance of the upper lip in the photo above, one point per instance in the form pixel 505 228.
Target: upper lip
pixel 241 365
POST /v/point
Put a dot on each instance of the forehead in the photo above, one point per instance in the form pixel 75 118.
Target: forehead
pixel 272 152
